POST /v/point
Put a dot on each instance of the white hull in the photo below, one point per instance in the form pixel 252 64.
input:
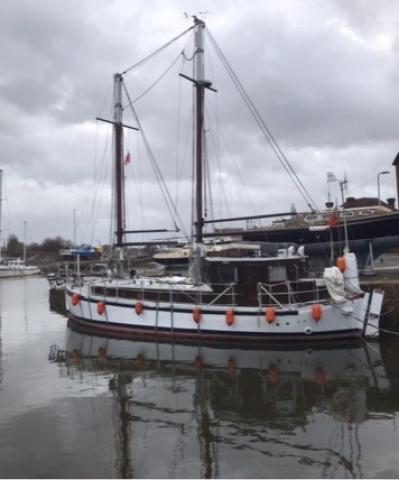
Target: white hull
pixel 18 272
pixel 176 320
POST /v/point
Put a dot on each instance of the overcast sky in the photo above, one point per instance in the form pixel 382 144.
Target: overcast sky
pixel 323 74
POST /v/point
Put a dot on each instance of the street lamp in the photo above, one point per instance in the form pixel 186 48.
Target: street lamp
pixel 384 172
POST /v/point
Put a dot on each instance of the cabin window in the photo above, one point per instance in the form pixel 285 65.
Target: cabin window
pixel 227 274
pixel 347 214
pixel 366 212
pixel 313 218
pixel 277 273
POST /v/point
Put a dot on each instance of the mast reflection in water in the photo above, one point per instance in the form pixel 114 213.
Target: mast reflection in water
pixel 199 411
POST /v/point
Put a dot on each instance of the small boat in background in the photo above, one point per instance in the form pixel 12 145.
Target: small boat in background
pixel 15 267
pixel 10 266
pixel 84 251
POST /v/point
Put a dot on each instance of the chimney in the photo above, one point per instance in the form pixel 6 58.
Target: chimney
pixel 396 164
pixel 391 203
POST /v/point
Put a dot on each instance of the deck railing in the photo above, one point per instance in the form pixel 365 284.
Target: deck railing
pixel 281 295
pixel 272 294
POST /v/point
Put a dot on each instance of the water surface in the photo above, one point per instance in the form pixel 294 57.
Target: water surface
pixel 79 406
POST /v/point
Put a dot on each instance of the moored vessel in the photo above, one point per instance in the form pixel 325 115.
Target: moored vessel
pixel 223 299
pixel 15 267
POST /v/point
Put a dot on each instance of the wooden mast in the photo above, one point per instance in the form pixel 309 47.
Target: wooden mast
pixel 118 161
pixel 199 127
pixel 200 86
pixel 118 180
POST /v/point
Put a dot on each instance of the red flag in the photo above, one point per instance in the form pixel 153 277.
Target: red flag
pixel 127 158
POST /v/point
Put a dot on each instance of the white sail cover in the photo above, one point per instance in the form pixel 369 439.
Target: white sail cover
pixel 334 281
pixel 351 274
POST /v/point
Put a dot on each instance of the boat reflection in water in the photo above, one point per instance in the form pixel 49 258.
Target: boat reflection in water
pixel 203 411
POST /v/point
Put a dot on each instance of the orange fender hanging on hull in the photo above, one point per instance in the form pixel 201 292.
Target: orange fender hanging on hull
pixel 75 299
pixel 197 314
pixel 316 312
pixel 341 264
pixel 138 308
pixel 100 308
pixel 270 314
pixel 229 317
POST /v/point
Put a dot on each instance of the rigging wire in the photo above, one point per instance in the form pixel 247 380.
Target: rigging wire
pixel 220 187
pixel 181 152
pixel 178 116
pixel 262 125
pixel 96 209
pixel 91 191
pixel 208 183
pixel 138 185
pixel 208 195
pixel 156 81
pixel 147 90
pixel 234 162
pixel 96 186
pixel 164 190
pixel 158 50
pixel 180 165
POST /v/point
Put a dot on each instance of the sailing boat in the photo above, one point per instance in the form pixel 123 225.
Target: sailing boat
pixel 15 267
pixel 241 299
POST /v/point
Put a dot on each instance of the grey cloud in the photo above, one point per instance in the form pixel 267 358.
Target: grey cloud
pixel 312 68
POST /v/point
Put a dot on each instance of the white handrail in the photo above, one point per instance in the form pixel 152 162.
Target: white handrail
pixel 230 286
pixel 262 287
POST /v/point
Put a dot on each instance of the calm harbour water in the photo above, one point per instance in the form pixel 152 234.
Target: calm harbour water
pixel 79 406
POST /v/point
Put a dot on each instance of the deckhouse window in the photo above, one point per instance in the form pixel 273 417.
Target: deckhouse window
pixel 313 218
pixel 227 274
pixel 278 273
pixel 366 212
